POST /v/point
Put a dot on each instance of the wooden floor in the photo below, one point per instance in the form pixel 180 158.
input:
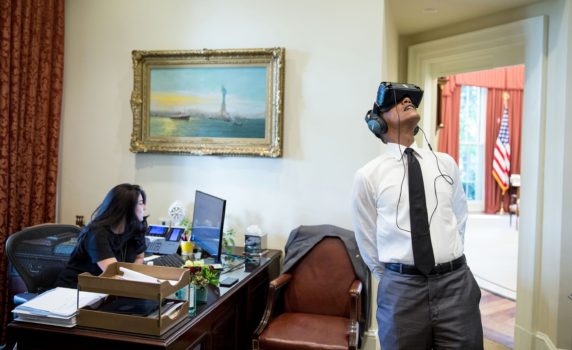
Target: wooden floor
pixel 497 315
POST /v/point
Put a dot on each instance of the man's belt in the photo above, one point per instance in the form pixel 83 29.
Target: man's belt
pixel 439 269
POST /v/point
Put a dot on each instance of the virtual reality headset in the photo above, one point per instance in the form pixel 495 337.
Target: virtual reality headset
pixel 389 94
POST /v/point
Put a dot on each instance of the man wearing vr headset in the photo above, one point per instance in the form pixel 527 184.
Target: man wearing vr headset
pixel 435 307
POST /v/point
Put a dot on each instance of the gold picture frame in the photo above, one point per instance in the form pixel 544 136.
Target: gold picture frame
pixel 208 102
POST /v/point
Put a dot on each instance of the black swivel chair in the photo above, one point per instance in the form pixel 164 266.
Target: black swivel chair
pixel 38 254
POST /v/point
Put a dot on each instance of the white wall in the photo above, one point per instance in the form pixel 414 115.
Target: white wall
pixel 390 65
pixel 333 66
pixel 390 46
pixel 565 290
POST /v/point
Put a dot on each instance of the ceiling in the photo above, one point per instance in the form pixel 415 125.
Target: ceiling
pixel 415 16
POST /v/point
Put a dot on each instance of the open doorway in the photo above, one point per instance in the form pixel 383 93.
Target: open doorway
pixel 479 122
pixel 480 127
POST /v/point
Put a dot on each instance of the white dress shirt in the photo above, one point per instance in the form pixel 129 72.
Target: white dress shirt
pixel 380 208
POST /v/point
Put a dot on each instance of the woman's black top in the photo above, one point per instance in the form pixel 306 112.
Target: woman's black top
pixel 96 244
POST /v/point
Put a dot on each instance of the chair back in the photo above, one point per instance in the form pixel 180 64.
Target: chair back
pixel 321 280
pixel 40 252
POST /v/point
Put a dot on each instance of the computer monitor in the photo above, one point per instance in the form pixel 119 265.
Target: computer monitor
pixel 208 222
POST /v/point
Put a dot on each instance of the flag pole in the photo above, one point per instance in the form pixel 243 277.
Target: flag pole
pixel 505 97
pixel 504 184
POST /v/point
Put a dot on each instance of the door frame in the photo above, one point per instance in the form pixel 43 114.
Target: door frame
pixel 519 42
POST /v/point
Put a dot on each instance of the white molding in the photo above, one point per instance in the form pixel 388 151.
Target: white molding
pixel 484 49
pixel 370 340
pixel 536 341
pixel 526 339
pixel 544 342
pixel 514 43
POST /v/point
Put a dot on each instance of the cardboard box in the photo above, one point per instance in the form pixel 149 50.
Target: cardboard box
pixel 110 282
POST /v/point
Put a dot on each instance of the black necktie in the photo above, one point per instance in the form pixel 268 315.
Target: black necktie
pixel 420 237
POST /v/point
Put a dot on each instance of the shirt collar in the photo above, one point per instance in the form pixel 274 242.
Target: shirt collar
pixel 397 150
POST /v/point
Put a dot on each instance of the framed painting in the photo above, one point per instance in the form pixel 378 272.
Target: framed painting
pixel 208 102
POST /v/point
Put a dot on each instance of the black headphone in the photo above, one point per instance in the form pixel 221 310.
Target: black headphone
pixel 377 125
pixel 375 122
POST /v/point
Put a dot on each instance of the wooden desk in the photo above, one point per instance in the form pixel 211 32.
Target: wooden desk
pixel 225 322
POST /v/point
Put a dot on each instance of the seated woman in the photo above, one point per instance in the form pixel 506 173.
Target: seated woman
pixel 116 233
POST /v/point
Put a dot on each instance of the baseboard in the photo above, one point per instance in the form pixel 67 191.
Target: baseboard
pixel 370 341
pixel 543 342
pixel 528 341
pixel 495 288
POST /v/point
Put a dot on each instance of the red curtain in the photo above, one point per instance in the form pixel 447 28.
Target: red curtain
pixel 31 83
pixel 450 110
pixel 506 79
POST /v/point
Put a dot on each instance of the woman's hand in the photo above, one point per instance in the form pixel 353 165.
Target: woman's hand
pixel 103 264
pixel 139 258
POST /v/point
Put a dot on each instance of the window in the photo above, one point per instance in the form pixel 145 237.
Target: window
pixel 472 121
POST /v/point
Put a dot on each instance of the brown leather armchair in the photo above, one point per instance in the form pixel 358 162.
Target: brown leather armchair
pixel 316 305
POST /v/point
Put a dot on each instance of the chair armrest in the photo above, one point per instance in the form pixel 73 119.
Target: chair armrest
pixel 355 308
pixel 353 340
pixel 355 294
pixel 280 281
pixel 275 285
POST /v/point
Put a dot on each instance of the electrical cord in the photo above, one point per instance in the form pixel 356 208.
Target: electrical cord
pixel 233 267
pixel 446 177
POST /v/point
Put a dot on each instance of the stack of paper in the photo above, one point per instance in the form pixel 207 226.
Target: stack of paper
pixel 58 306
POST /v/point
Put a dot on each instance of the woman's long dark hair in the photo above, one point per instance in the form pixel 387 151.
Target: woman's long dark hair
pixel 119 204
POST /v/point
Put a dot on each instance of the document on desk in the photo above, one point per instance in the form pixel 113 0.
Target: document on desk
pixel 141 277
pixel 57 306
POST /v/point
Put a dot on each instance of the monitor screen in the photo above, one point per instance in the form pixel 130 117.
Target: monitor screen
pixel 208 221
pixel 157 231
pixel 175 234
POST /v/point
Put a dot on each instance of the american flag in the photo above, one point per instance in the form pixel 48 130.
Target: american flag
pixel 501 155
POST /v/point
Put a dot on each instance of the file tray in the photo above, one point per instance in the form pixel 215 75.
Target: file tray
pixel 110 282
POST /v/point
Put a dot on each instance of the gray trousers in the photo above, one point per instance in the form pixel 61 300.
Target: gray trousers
pixel 415 312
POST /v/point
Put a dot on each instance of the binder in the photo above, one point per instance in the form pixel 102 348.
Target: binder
pixel 58 306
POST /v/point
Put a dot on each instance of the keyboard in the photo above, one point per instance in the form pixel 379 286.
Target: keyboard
pixel 171 260
pixel 154 246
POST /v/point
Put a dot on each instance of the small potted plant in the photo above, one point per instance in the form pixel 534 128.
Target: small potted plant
pixel 201 276
pixel 187 224
pixel 228 240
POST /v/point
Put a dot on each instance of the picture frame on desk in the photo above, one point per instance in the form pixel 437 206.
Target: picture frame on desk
pixel 208 102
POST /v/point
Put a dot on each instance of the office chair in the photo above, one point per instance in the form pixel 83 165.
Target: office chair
pixel 38 254
pixel 318 301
